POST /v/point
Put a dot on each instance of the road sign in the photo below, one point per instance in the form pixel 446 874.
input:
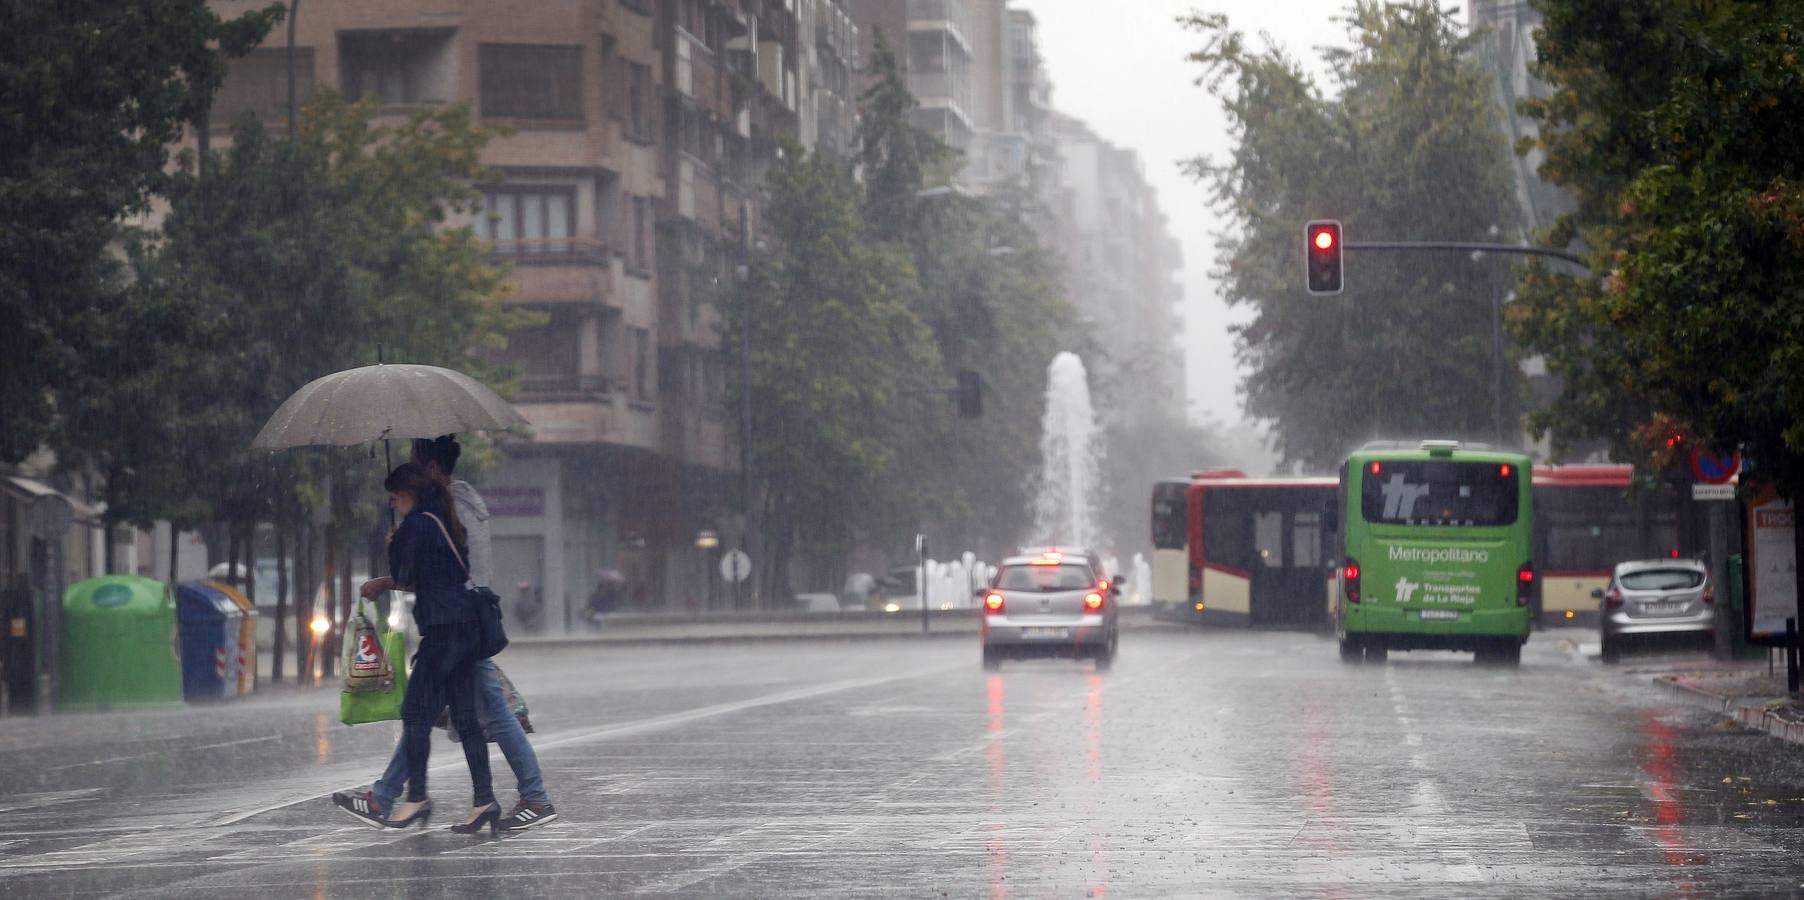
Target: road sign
pixel 1706 491
pixel 1772 566
pixel 1714 468
pixel 735 566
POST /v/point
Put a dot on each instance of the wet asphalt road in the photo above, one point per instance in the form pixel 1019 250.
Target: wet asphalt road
pixel 1204 764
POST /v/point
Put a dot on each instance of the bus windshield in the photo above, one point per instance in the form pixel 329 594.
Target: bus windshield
pixel 1439 493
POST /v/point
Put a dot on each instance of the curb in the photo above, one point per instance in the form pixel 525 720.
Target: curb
pixel 1761 715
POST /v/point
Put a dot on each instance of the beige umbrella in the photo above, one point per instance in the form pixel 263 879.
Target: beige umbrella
pixel 384 401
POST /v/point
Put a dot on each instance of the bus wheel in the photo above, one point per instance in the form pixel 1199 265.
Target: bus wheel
pixel 1376 652
pixel 1502 652
pixel 1350 651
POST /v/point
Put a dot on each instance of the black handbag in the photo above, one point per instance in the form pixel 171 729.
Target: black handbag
pixel 492 637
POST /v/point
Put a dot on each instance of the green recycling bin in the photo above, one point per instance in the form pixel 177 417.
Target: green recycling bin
pixel 121 649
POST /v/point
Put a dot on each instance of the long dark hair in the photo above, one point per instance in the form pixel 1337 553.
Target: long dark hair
pixel 429 495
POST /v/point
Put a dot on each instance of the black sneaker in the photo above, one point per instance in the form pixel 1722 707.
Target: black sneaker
pixel 528 815
pixel 361 805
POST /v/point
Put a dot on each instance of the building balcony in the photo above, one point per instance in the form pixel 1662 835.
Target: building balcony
pixel 950 16
pixel 554 271
pixel 564 388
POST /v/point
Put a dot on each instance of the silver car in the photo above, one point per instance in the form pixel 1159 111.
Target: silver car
pixel 1655 597
pixel 1049 605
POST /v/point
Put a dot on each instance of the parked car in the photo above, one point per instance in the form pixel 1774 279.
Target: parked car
pixel 1655 597
pixel 1049 606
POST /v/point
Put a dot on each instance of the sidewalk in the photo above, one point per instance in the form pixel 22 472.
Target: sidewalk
pixel 768 626
pixel 1746 693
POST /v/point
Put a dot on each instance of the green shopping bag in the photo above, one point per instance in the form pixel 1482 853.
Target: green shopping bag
pixel 378 706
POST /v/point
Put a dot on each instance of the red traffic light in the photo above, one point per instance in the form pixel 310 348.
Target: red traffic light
pixel 1322 263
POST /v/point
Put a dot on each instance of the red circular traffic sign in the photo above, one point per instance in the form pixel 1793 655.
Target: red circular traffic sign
pixel 1714 468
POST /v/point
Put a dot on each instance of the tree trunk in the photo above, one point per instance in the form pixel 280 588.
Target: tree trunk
pixel 275 672
pixel 335 564
pixel 250 561
pixel 303 600
pixel 231 553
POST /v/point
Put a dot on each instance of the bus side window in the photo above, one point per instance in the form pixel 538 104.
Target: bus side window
pixel 1306 539
pixel 1268 535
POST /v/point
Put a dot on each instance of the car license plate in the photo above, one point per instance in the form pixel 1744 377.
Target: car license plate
pixel 1045 632
pixel 1662 609
pixel 1439 614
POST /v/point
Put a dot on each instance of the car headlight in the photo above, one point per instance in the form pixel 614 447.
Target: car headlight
pixel 892 607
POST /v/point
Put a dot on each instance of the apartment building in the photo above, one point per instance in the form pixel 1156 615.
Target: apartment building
pixel 629 186
pixel 1121 260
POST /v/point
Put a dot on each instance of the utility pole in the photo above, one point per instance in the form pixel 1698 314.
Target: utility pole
pixel 745 393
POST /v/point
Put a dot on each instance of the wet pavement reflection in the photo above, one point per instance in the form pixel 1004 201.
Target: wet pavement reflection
pixel 1204 763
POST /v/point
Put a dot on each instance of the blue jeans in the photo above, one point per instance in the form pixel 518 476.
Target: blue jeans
pixel 497 720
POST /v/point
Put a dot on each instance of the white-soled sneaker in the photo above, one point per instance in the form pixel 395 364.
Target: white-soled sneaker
pixel 361 805
pixel 528 815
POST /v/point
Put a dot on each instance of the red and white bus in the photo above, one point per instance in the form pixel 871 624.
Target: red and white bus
pixel 1588 518
pixel 1233 550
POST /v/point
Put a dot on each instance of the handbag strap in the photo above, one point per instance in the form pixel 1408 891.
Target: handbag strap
pixel 453 545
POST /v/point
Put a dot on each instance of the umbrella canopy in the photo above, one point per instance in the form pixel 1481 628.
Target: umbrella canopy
pixel 384 401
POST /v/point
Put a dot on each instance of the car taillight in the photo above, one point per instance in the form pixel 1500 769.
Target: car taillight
pixel 1525 583
pixel 992 604
pixel 1093 600
pixel 1613 598
pixel 1709 595
pixel 1349 574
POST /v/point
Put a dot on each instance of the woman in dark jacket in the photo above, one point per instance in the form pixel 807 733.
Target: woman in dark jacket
pixel 426 557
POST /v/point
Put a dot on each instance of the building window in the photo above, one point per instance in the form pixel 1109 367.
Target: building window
pixel 258 83
pixel 400 67
pixel 530 81
pixel 639 101
pixel 642 365
pixel 528 220
pixel 641 257
pixel 610 78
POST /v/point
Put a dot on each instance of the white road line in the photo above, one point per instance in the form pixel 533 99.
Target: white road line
pixel 316 788
pixel 240 743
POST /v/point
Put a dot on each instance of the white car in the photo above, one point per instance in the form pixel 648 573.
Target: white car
pixel 1049 606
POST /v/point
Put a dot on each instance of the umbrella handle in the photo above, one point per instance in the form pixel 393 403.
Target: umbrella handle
pixel 387 467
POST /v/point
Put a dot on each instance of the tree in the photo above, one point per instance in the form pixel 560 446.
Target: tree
pixel 281 261
pixel 1676 127
pixel 85 143
pixel 994 303
pixel 1406 148
pixel 833 346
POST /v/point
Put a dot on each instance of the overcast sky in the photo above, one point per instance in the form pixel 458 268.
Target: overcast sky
pixel 1119 65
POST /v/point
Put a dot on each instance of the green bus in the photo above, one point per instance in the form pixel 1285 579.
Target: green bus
pixel 1435 552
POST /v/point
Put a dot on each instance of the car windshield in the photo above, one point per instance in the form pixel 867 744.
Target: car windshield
pixel 1662 579
pixel 1044 578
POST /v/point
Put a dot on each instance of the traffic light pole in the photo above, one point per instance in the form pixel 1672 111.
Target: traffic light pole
pixel 1467 246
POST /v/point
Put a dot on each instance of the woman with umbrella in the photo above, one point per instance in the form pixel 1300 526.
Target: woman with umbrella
pixel 426 554
pixel 426 551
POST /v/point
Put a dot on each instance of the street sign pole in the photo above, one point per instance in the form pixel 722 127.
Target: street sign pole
pixel 921 587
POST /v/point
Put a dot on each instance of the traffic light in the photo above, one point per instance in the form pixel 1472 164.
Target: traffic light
pixel 970 394
pixel 1321 256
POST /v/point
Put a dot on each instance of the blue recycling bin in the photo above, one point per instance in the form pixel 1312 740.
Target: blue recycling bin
pixel 209 622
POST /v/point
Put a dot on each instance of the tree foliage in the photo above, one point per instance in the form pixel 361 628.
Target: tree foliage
pixel 92 95
pixel 994 302
pixel 1405 147
pixel 281 261
pixel 1677 128
pixel 833 346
